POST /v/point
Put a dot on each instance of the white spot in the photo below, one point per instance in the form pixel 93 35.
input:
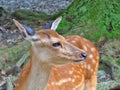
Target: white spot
pixel 92 49
pixel 64 81
pixel 91 70
pixel 76 76
pixel 90 56
pixel 85 48
pixel 73 80
pixel 76 87
pixel 88 66
pixel 73 41
pixel 53 83
pixel 71 72
pixel 93 60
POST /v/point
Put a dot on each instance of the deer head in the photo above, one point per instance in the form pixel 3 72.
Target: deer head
pixel 49 46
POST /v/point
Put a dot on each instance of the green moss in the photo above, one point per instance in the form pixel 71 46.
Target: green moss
pixel 12 55
pixel 2 12
pixel 94 19
pixel 30 15
pixel 101 67
pixel 118 61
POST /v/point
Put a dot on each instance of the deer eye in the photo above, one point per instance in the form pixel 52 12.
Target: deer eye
pixel 57 44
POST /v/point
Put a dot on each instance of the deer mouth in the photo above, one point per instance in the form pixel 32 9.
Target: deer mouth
pixel 78 61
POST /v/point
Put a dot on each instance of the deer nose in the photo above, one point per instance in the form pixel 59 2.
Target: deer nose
pixel 84 55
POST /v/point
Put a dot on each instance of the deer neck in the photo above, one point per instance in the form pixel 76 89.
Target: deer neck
pixel 39 73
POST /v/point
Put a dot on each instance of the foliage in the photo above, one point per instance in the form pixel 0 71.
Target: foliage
pixel 94 18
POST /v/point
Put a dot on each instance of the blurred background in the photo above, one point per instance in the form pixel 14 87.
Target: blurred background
pixel 96 20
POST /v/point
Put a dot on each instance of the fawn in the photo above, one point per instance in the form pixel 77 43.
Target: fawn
pixel 57 62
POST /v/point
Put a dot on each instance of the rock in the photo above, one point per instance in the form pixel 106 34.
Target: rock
pixel 3 85
pixel 46 6
pixel 101 75
pixel 9 37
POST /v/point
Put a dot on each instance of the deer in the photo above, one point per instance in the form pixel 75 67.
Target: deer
pixel 57 62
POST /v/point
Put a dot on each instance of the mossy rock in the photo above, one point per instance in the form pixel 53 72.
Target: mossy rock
pixel 109 85
pixel 110 58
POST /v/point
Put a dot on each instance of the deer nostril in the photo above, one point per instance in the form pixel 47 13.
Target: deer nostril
pixel 83 54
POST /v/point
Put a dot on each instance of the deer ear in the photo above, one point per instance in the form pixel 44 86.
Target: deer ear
pixel 28 33
pixel 24 28
pixel 20 27
pixel 56 23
